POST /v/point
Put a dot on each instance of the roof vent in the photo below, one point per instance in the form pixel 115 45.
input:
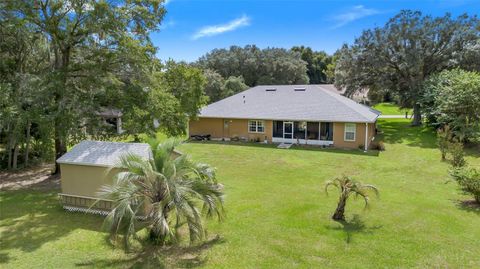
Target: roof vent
pixel 299 89
pixel 270 90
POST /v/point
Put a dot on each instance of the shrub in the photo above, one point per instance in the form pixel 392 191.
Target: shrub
pixel 443 140
pixel 469 181
pixel 380 146
pixel 456 150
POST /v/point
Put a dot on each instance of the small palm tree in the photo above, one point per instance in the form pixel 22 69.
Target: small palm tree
pixel 347 187
pixel 163 194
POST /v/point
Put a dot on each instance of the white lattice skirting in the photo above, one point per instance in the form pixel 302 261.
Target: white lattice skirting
pixel 85 210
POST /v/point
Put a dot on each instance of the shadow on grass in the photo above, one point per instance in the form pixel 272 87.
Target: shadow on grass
pixel 472 150
pixel 372 153
pixel 354 226
pixel 151 256
pixel 400 131
pixel 468 205
pixel 29 219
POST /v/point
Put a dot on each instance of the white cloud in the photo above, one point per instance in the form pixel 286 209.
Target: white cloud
pixel 167 24
pixel 222 28
pixel 355 13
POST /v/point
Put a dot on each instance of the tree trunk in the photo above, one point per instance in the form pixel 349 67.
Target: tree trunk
pixel 340 211
pixel 15 156
pixel 9 148
pixel 27 144
pixel 62 59
pixel 60 149
pixel 417 115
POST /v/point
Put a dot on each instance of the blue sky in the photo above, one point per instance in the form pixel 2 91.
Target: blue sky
pixel 193 27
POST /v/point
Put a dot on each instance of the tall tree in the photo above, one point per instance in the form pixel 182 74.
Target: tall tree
pixel 235 85
pixel 318 63
pixel 403 53
pixel 87 37
pixel 215 86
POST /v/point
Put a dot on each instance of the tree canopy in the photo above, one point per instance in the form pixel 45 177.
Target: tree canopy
pixel 319 65
pixel 401 55
pixel 77 57
pixel 257 66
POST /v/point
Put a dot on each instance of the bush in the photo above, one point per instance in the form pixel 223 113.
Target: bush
pixel 456 150
pixel 451 97
pixel 469 181
pixel 380 146
pixel 443 140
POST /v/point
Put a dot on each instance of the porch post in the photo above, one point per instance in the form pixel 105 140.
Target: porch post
pixel 366 136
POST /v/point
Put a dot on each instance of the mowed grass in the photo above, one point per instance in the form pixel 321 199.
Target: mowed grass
pixel 392 109
pixel 278 215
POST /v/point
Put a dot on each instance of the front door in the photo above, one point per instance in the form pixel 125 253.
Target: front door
pixel 288 130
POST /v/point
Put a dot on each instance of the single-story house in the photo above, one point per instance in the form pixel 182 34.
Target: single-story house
pixel 304 114
pixel 90 165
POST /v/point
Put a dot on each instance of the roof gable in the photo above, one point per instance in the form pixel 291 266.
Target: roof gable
pixel 290 102
pixel 100 153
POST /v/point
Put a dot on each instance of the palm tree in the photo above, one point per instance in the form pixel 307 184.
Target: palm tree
pixel 348 186
pixel 163 194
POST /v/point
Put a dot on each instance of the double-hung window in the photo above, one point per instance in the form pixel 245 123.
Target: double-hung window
pixel 256 126
pixel 350 131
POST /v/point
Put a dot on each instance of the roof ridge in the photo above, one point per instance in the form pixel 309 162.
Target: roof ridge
pixel 114 142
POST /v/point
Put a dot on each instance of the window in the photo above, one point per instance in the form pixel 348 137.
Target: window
pixel 299 128
pixel 312 130
pixel 350 130
pixel 278 129
pixel 256 126
pixel 326 131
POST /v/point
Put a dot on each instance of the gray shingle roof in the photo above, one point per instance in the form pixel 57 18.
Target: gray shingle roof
pixel 315 103
pixel 99 153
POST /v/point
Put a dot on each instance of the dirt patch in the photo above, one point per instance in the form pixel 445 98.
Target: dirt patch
pixel 38 177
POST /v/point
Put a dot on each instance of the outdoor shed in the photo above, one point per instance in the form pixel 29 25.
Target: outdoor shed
pixel 88 166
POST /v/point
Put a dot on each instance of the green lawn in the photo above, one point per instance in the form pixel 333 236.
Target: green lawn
pixel 392 109
pixel 278 215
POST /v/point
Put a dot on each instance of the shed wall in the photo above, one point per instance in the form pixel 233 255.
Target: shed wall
pixel 83 180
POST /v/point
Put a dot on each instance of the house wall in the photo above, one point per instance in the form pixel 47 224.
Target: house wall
pixel 204 126
pixel 228 128
pixel 239 128
pixel 339 135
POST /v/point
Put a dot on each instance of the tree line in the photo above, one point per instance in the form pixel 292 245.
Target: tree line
pixel 64 61
pixel 232 70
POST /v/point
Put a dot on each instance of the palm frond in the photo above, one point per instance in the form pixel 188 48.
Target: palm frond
pixel 168 189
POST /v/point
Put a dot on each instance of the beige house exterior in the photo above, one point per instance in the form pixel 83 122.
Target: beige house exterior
pixel 297 114
pixel 87 167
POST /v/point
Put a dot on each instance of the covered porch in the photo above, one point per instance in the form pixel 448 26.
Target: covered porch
pixel 303 132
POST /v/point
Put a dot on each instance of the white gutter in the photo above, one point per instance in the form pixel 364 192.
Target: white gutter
pixel 366 136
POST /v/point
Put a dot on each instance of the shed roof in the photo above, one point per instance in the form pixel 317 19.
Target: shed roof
pixel 290 102
pixel 100 153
